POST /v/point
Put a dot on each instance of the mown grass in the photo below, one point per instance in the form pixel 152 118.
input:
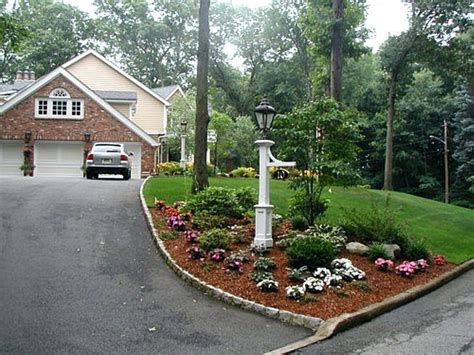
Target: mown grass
pixel 449 230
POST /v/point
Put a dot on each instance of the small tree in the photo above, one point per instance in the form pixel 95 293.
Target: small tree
pixel 321 137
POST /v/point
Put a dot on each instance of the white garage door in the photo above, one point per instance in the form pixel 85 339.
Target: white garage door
pixel 136 160
pixel 58 158
pixel 11 157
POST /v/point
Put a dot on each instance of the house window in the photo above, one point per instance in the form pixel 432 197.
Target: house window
pixel 59 105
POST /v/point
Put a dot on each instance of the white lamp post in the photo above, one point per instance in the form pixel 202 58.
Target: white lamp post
pixel 182 162
pixel 263 210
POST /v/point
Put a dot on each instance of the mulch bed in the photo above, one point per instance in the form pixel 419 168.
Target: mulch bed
pixel 330 303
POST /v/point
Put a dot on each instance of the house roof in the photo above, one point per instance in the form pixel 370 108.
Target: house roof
pixel 117 95
pixel 44 80
pixel 167 91
pixel 16 85
pixel 120 71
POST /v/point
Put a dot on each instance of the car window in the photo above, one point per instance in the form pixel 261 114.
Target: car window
pixel 107 148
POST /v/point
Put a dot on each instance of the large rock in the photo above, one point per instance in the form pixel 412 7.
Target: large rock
pixel 357 248
pixel 392 250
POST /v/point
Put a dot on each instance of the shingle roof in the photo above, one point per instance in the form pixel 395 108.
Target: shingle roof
pixel 17 85
pixel 165 91
pixel 117 95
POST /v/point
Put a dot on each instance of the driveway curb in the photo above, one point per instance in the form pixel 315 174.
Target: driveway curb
pixel 288 317
pixel 350 320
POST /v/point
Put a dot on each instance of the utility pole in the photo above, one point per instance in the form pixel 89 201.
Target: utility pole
pixel 446 168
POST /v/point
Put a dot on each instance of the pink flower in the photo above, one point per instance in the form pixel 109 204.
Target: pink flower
pixel 384 265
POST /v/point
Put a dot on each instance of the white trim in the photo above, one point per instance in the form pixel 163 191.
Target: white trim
pixel 178 88
pixel 79 84
pixel 120 71
pixel 120 101
pixel 50 115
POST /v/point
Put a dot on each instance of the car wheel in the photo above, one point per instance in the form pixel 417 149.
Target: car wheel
pixel 95 176
pixel 126 176
pixel 89 175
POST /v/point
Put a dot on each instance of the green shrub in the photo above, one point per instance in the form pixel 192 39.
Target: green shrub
pixel 299 223
pixel 243 172
pixel 377 250
pixel 333 234
pixel 378 224
pixel 213 239
pixel 169 168
pixel 258 276
pixel 203 220
pixel 310 252
pixel 167 235
pixel 310 206
pixel 415 249
pixel 222 201
pixel 264 264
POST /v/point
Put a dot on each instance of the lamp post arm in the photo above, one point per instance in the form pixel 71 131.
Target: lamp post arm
pixel 278 163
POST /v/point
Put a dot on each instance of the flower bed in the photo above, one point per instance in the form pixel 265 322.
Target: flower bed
pixel 236 273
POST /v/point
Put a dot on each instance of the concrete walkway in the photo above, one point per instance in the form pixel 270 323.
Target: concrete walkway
pixel 80 274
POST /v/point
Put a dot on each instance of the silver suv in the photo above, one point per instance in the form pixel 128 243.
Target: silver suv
pixel 108 158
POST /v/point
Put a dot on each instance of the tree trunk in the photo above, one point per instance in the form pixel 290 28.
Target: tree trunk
pixel 337 39
pixel 200 181
pixel 388 173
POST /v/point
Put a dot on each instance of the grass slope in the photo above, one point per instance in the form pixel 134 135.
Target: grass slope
pixel 449 230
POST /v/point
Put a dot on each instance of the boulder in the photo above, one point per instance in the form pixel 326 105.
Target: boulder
pixel 392 250
pixel 357 248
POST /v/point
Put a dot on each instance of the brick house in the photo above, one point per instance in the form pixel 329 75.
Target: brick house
pixel 53 122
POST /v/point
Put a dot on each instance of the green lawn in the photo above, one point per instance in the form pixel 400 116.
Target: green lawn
pixel 448 229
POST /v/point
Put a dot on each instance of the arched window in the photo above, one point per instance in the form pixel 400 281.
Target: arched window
pixel 59 105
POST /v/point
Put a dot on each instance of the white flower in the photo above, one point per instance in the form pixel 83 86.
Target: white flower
pixel 334 281
pixel 295 292
pixel 313 285
pixel 267 285
pixel 322 273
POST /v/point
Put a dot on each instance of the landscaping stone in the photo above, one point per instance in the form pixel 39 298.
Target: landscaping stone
pixel 392 250
pixel 357 248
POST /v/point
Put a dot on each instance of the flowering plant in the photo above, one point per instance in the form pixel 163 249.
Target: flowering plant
pixel 264 264
pixel 268 285
pixel 384 264
pixel 295 292
pixel 322 273
pixel 439 260
pixel 421 265
pixel 217 254
pixel 313 285
pixel 334 281
pixel 407 268
pixel 195 253
pixel 350 274
pixel 191 236
pixel 176 223
pixel 170 211
pixel 160 204
pixel 341 263
pixel 234 262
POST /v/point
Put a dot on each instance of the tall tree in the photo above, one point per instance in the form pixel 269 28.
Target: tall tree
pixel 12 34
pixel 200 180
pixel 337 41
pixel 432 21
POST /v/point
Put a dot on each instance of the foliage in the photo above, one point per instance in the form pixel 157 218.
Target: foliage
pixel 299 223
pixel 243 172
pixel 222 201
pixel 415 249
pixel 314 285
pixel 362 285
pixel 235 262
pixel 320 137
pixel 12 34
pixel 377 251
pixel 310 252
pixel 334 281
pixel 167 235
pixel 217 255
pixel 196 253
pixel 169 168
pixel 268 285
pixel 214 239
pixel 297 274
pixel 264 264
pixel 333 234
pixel 295 292
pixel 378 224
pixel 203 220
pixel 258 276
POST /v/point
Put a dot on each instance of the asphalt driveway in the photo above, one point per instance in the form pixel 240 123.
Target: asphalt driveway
pixel 79 274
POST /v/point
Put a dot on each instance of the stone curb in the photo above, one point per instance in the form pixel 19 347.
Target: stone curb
pixel 285 316
pixel 349 320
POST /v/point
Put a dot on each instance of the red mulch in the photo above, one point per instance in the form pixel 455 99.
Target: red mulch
pixel 323 305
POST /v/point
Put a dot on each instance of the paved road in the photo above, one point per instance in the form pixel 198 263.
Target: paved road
pixel 441 322
pixel 79 274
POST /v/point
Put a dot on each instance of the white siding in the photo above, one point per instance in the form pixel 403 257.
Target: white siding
pixel 150 113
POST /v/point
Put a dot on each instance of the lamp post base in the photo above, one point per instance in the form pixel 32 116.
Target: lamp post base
pixel 263 226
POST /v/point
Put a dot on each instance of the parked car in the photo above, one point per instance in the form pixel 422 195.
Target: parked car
pixel 108 158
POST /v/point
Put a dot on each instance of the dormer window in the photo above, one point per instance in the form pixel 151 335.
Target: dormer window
pixel 59 105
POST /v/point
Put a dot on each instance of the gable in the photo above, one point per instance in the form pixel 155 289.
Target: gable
pixel 99 74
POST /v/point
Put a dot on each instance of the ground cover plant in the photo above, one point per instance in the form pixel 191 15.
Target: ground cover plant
pixel 289 275
pixel 447 229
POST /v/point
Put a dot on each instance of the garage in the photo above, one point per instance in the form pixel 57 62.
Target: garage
pixel 11 158
pixel 63 159
pixel 136 149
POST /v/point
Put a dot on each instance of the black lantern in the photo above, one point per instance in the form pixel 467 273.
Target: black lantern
pixel 87 136
pixel 28 135
pixel 264 114
pixel 184 124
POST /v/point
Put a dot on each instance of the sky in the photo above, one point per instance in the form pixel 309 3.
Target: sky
pixel 384 16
